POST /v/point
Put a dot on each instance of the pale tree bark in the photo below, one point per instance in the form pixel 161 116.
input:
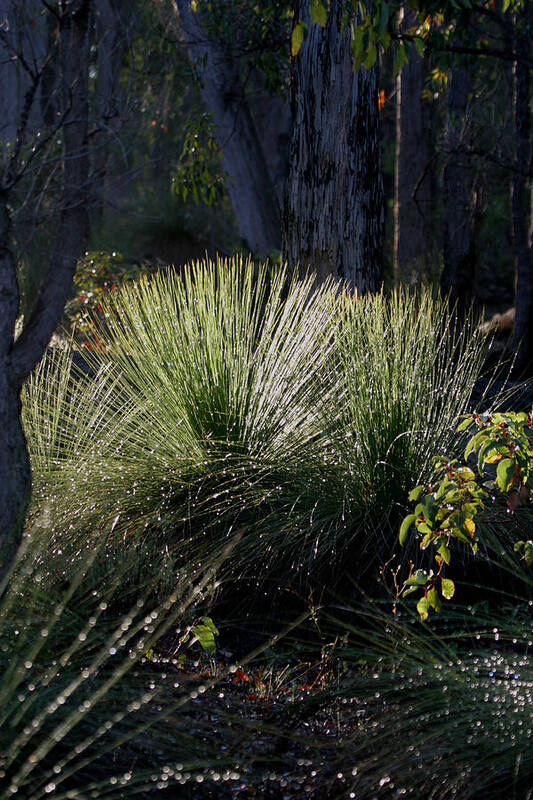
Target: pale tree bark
pixel 520 207
pixel 333 213
pixel 249 187
pixel 412 187
pixel 110 37
pixel 18 358
pixel 272 118
pixel 459 251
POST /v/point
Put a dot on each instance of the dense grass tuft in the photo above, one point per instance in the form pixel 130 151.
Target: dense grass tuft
pixel 235 395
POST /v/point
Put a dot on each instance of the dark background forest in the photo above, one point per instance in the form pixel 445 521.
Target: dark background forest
pixel 266 426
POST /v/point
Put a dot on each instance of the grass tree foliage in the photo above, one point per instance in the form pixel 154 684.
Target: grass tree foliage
pixel 236 396
pixel 77 682
pixel 236 421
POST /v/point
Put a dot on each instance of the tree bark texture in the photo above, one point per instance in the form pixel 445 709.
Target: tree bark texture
pixel 272 118
pixel 74 220
pixel 412 188
pixel 459 252
pixel 18 358
pixel 250 188
pixel 111 41
pixel 520 206
pixel 333 211
pixel 15 478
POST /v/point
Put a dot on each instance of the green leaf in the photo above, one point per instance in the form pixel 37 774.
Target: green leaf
pixel 384 17
pixel 318 13
pixel 434 599
pixel 423 527
pixel 504 473
pixel 205 633
pixel 357 47
pixel 428 504
pixel 466 474
pixel 419 46
pixel 208 622
pixel 404 529
pixel 299 34
pixel 400 57
pixel 385 40
pixel 443 488
pixel 481 455
pixel 426 541
pixel 447 588
pixel 415 494
pixel 473 443
pixel 465 424
pixel 444 552
pixel 370 58
pixel 423 608
pixel 419 578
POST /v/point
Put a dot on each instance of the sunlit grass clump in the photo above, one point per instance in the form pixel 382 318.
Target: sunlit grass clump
pixel 236 397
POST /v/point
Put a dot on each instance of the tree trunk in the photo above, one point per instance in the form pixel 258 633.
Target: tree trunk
pixel 412 189
pixel 522 238
pixel 15 480
pixel 249 187
pixel 19 358
pixel 459 253
pixel 272 119
pixel 74 223
pixel 333 212
pixel 110 38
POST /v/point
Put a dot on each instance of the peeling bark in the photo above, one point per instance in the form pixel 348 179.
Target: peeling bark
pixel 333 213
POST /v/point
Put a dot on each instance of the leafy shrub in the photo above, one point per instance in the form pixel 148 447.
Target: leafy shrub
pixel 445 513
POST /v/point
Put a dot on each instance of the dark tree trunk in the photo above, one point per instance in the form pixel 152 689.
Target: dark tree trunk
pixel 459 253
pixel 15 479
pixel 333 212
pixel 412 190
pixel 250 187
pixel 520 205
pixel 19 358
pixel 74 222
